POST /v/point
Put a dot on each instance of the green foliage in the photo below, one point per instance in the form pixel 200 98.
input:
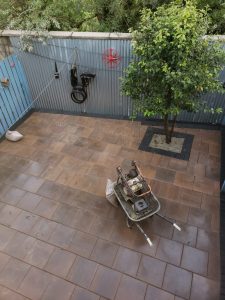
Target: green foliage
pixel 216 11
pixel 91 15
pixel 44 14
pixel 174 65
pixel 41 16
pixel 71 15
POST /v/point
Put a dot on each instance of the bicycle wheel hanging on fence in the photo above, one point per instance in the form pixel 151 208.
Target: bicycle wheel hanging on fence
pixel 78 94
pixel 79 91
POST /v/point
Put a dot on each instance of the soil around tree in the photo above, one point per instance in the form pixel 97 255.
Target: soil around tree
pixel 155 141
pixel 158 141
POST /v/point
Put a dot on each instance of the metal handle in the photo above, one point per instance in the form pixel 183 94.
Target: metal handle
pixel 145 235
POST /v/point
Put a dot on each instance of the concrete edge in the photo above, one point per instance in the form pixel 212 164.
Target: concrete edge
pixel 11 32
pixel 91 35
pixel 214 37
pixel 72 34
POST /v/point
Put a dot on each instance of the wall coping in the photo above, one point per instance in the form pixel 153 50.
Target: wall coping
pixel 91 35
pixel 73 35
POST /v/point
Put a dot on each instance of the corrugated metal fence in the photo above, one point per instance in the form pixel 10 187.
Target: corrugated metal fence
pixel 104 94
pixel 15 99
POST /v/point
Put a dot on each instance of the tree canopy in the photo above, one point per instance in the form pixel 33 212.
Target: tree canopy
pixel 91 15
pixel 173 63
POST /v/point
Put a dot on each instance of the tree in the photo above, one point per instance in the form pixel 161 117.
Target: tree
pixel 41 16
pixel 45 14
pixel 70 15
pixel 174 64
pixel 216 11
pixel 91 15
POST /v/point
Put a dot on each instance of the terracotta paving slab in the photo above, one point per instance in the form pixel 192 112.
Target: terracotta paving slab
pixel 195 260
pixel 29 201
pixel 188 235
pixel 165 175
pixel 62 236
pixel 200 218
pixel 82 294
pixel 82 243
pixel 106 282
pixel 6 294
pixel 190 197
pixel 60 262
pixel 61 239
pixel 151 270
pixel 46 207
pixel 24 221
pixel 35 283
pixel 208 241
pixel 204 289
pixel 13 195
pixel 82 272
pixel 13 273
pixel 19 245
pixel 136 289
pixel 127 261
pixel 155 293
pixel 39 253
pixel 8 214
pixel 6 235
pixel 177 211
pixel 177 281
pixel 43 229
pixel 58 289
pixel 169 251
pixel 104 252
pixel 214 266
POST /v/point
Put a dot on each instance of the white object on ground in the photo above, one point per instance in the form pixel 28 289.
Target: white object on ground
pixel 13 136
pixel 109 191
pixel 176 226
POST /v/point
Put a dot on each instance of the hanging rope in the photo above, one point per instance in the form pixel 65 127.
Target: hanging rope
pixel 37 98
pixel 78 64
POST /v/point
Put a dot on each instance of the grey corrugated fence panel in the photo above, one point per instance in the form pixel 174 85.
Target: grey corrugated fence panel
pixel 213 100
pixel 104 95
pixel 104 92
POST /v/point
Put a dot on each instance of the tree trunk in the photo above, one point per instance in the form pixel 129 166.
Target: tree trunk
pixel 166 128
pixel 172 127
pixel 169 131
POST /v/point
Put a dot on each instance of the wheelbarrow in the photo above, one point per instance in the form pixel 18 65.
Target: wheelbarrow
pixel 136 199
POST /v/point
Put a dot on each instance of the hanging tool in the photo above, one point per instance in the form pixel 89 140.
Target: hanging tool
pixel 56 71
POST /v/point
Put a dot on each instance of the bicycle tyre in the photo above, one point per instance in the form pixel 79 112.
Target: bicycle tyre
pixel 78 95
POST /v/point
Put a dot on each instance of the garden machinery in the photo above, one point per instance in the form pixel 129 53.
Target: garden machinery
pixel 136 198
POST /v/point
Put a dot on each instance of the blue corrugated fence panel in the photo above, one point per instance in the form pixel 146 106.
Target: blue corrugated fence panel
pixel 15 99
pixel 104 91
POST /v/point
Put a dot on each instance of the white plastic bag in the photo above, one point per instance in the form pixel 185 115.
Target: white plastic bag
pixel 109 191
pixel 13 136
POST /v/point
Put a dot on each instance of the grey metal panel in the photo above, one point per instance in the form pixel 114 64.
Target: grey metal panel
pixel 104 92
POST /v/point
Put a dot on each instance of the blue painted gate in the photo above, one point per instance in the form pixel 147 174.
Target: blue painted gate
pixel 15 100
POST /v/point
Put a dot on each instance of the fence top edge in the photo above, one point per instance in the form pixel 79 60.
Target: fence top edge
pixel 70 34
pixel 89 35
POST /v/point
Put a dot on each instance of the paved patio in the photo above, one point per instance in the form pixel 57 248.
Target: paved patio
pixel 59 237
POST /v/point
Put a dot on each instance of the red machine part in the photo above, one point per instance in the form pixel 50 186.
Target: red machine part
pixel 111 57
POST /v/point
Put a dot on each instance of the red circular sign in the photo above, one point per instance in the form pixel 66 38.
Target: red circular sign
pixel 111 57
